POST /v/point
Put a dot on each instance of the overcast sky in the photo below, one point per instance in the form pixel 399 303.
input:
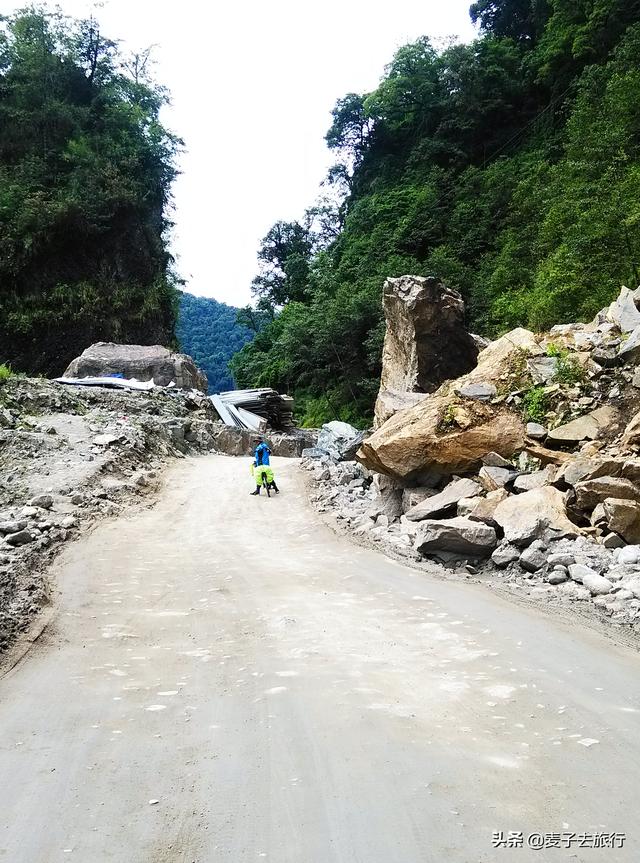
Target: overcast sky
pixel 252 87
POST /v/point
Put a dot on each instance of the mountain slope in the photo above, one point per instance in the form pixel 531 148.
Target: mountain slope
pixel 207 331
pixel 508 167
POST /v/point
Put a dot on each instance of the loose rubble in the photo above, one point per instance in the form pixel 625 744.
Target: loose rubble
pixel 524 472
pixel 71 455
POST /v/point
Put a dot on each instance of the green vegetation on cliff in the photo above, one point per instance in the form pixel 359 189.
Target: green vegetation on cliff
pixel 509 167
pixel 85 176
pixel 209 332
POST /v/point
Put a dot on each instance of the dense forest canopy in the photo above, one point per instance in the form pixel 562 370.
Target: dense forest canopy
pixel 209 331
pixel 509 167
pixel 85 176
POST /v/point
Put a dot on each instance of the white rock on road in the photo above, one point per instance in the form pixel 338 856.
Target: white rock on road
pixel 321 703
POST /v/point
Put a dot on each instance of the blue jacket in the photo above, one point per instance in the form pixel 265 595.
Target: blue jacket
pixel 262 454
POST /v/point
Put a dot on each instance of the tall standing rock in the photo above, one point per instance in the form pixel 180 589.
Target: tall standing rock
pixel 425 343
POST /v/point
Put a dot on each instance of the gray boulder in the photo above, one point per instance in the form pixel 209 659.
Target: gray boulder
pixel 413 496
pixel 505 554
pixel 623 311
pixel 629 350
pixel 480 391
pixel 22 537
pixel 558 575
pixel 534 558
pixel 142 362
pixel 387 498
pixel 340 440
pixel 457 535
pixel 596 584
pixel 537 479
pixel 493 478
pixel 445 501
pixel 536 431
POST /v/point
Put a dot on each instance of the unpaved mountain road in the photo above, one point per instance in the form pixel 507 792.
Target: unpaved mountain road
pixel 287 696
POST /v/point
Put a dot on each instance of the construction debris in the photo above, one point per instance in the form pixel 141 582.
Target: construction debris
pixel 255 409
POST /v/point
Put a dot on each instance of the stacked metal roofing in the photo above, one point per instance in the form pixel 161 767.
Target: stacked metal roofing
pixel 255 409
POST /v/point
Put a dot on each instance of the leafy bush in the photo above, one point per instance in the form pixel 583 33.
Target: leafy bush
pixel 535 405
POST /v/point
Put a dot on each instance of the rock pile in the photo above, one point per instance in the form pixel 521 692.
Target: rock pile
pixel 526 469
pixel 69 455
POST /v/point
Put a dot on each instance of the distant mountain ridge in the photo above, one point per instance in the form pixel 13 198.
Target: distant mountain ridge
pixel 207 331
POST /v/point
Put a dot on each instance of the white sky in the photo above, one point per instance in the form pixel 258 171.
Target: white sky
pixel 252 86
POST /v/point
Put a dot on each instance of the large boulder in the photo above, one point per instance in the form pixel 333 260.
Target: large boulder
pixel 425 343
pixel 536 514
pixel 445 434
pixel 414 443
pixel 456 536
pixel 142 362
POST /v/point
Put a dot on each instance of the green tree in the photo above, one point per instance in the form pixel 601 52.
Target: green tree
pixel 85 177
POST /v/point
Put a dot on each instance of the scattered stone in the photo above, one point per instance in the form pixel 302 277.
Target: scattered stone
pixel 494 459
pixel 597 585
pixel 537 479
pixel 534 514
pixel 22 537
pixel 587 427
pixel 629 555
pixel 505 554
pixel 458 535
pixel 558 576
pixel 106 439
pixel 589 493
pixel 12 526
pixel 478 391
pixel 562 559
pixel 536 431
pixel 44 501
pixel 534 558
pixel 445 501
pixel 493 478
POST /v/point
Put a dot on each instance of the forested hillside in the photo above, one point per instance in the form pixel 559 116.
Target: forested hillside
pixel 85 176
pixel 509 167
pixel 209 332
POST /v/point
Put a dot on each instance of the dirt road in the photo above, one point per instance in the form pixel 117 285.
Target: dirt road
pixel 281 694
